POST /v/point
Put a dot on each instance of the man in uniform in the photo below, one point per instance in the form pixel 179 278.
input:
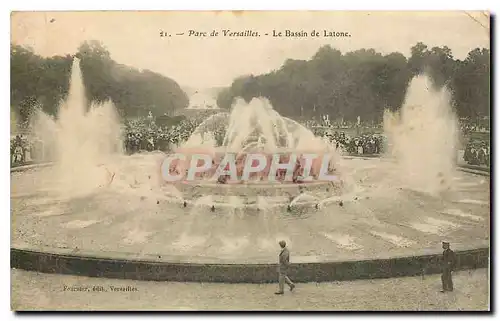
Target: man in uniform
pixel 284 262
pixel 448 265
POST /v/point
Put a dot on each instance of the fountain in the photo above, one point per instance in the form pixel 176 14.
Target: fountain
pixel 82 142
pixel 253 127
pixel 99 200
pixel 424 137
pixel 258 122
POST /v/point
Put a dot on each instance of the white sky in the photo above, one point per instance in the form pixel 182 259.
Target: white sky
pixel 133 38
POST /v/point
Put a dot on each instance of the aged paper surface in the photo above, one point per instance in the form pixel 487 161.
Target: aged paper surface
pixel 237 160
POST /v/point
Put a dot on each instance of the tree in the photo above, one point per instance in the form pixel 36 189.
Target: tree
pixel 471 85
pixel 365 82
pixel 96 65
pixel 225 99
pixel 38 81
pixel 419 53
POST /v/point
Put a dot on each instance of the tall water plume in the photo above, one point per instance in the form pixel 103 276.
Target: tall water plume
pixel 83 142
pixel 256 125
pixel 423 137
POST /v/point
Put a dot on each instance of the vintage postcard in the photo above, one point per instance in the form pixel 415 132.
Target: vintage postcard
pixel 245 160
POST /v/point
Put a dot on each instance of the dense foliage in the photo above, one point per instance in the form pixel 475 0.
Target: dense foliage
pixel 365 82
pixel 38 81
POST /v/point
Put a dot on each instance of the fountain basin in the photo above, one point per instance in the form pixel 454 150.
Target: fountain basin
pixel 382 219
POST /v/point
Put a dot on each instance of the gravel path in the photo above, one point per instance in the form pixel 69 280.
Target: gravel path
pixel 37 291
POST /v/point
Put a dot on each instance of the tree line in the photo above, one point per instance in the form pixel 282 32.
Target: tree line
pixel 365 82
pixel 42 82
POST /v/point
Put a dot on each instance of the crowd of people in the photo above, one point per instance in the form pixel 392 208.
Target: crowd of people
pixel 477 148
pixel 470 128
pixel 25 149
pixel 366 143
pixel 324 122
pixel 145 134
pixel 19 148
pixel 477 153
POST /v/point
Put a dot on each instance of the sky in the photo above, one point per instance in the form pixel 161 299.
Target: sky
pixel 133 38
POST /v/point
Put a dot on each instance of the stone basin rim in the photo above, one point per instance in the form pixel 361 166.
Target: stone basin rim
pixel 157 258
pixel 241 273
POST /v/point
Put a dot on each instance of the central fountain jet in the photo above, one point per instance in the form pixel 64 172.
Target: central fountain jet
pixel 259 146
pixel 252 151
